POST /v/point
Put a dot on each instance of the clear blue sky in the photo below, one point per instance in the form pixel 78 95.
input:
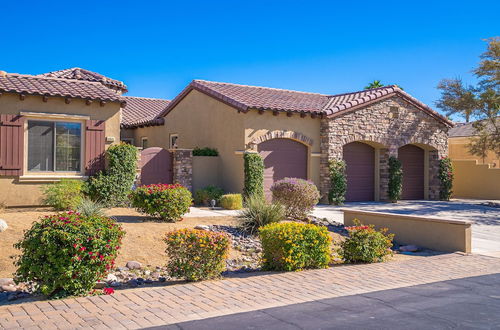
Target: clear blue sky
pixel 156 48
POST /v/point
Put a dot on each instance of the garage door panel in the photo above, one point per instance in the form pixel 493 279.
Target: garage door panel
pixel 360 171
pixel 282 158
pixel 412 161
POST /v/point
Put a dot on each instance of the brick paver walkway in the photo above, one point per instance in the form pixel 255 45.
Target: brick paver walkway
pixel 139 308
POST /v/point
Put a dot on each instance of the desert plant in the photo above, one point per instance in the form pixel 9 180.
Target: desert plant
pixel 205 152
pixel 395 179
pixel 365 244
pixel 258 212
pixel 232 201
pixel 164 201
pixel 63 195
pixel 338 182
pixel 294 246
pixel 445 178
pixel 67 253
pixel 196 255
pixel 254 175
pixel 297 196
pixel 112 186
pixel 90 208
pixel 205 195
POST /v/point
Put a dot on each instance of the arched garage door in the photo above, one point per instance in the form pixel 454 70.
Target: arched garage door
pixel 360 171
pixel 283 158
pixel 156 166
pixel 412 161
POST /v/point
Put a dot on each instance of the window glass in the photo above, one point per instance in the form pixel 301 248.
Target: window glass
pixel 54 146
pixel 144 143
pixel 173 141
pixel 40 146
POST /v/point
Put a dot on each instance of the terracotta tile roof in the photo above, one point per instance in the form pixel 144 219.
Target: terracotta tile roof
pixel 37 85
pixel 142 111
pixel 244 98
pixel 82 74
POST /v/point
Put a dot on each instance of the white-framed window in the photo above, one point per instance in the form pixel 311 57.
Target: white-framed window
pixel 144 142
pixel 54 146
pixel 173 141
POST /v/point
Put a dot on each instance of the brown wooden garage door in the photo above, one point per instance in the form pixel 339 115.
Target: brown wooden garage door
pixel 156 166
pixel 283 158
pixel 412 161
pixel 360 171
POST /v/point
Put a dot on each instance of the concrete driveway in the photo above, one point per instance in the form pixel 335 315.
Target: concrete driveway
pixel 485 230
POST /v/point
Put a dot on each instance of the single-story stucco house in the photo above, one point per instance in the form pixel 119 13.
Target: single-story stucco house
pixel 297 133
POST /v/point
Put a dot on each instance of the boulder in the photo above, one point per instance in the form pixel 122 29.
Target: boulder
pixel 8 288
pixel 7 281
pixel 3 225
pixel 408 248
pixel 202 227
pixel 100 285
pixel 134 265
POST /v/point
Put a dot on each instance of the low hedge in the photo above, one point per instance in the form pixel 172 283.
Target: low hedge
pixel 164 201
pixel 196 255
pixel 293 246
pixel 67 253
pixel 63 195
pixel 232 201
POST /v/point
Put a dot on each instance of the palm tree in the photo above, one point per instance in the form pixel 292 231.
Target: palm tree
pixel 374 84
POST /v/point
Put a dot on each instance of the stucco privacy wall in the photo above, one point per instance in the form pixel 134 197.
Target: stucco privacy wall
pixel 473 180
pixel 458 149
pixel 387 131
pixel 13 193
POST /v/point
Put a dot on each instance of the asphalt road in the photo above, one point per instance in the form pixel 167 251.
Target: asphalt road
pixel 470 303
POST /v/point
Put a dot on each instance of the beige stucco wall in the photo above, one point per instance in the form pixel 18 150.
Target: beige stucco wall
pixel 474 180
pixel 436 234
pixel 205 172
pixel 14 193
pixel 458 149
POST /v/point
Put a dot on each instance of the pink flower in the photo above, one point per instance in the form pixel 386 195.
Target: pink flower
pixel 108 291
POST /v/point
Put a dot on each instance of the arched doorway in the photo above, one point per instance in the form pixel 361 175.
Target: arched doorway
pixel 283 158
pixel 360 171
pixel 412 159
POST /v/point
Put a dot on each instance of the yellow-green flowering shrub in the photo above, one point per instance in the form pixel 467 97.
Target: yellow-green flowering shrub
pixel 294 246
pixel 232 201
pixel 164 201
pixel 196 255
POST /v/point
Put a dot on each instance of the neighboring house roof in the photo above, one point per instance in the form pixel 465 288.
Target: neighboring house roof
pixel 45 86
pixel 142 111
pixel 467 129
pixel 244 98
pixel 82 74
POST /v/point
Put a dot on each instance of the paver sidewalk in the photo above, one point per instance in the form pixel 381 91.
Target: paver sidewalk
pixel 139 308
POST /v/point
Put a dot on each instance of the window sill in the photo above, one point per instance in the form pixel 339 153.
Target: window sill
pixel 49 178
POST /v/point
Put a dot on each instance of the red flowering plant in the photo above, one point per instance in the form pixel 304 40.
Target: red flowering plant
pixel 67 253
pixel 366 244
pixel 196 255
pixel 164 201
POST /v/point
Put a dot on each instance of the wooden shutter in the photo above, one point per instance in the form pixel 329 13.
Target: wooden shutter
pixel 11 145
pixel 94 146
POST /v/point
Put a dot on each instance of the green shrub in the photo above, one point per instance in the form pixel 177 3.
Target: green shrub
pixel 164 201
pixel 205 195
pixel 365 244
pixel 196 255
pixel 90 208
pixel 67 253
pixel 445 178
pixel 294 246
pixel 338 182
pixel 395 179
pixel 259 212
pixel 205 152
pixel 232 201
pixel 63 195
pixel 297 196
pixel 254 175
pixel 113 186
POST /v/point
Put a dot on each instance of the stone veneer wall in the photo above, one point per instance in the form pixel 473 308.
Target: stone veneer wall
pixel 389 130
pixel 183 167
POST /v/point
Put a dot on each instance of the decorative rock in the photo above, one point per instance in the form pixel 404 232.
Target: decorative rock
pixel 4 296
pixel 148 281
pixel 408 248
pixel 7 281
pixel 147 272
pixel 115 284
pixel 122 269
pixel 162 279
pixel 133 283
pixel 9 288
pixel 202 227
pixel 3 225
pixel 100 285
pixel 111 278
pixel 134 265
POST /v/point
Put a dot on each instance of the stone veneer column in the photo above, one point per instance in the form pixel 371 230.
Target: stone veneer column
pixel 384 174
pixel 330 148
pixel 434 183
pixel 183 167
